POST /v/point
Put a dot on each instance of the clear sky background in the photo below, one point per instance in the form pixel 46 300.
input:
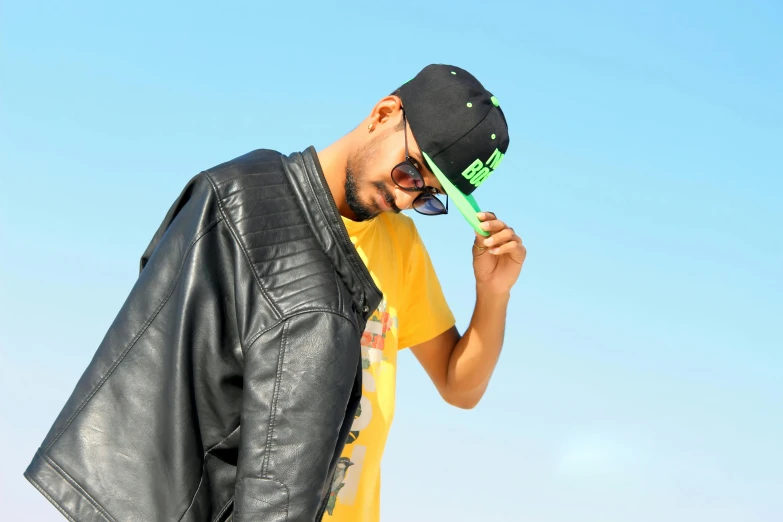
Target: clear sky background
pixel 642 373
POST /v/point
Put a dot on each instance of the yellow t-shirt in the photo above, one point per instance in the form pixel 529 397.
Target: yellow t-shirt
pixel 413 310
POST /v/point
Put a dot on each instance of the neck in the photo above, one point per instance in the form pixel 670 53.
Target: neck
pixel 334 160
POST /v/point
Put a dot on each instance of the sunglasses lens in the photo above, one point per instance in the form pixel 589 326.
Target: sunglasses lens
pixel 428 205
pixel 406 176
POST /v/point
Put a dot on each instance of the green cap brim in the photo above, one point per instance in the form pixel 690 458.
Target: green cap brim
pixel 466 204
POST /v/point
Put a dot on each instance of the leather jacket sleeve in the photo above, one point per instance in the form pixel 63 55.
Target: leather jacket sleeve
pixel 226 386
pixel 174 210
pixel 291 420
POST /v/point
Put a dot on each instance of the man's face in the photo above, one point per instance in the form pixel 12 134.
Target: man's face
pixel 369 188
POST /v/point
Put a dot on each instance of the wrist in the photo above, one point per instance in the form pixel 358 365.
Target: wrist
pixel 486 294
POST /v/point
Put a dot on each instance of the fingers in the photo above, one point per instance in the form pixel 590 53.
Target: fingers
pixel 514 247
pixel 490 223
pixel 500 238
pixel 503 242
pixel 508 248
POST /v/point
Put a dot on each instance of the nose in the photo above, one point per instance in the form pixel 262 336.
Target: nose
pixel 403 199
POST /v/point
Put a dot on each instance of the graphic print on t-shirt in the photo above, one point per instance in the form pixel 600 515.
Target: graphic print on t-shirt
pixel 394 254
pixel 348 472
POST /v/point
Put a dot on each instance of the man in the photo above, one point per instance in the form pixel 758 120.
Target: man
pixel 231 379
pixel 441 135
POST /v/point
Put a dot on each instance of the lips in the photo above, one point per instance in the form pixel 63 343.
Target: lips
pixel 382 204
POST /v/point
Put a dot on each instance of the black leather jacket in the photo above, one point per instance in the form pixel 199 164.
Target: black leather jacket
pixel 226 386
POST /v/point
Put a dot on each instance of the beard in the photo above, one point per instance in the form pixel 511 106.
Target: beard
pixel 363 212
pixel 355 173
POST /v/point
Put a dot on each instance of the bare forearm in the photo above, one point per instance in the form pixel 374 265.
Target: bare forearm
pixel 460 367
pixel 476 354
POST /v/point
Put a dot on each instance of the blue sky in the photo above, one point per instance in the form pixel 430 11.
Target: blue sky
pixel 642 373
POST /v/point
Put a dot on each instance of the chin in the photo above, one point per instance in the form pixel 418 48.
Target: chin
pixel 364 212
pixel 360 196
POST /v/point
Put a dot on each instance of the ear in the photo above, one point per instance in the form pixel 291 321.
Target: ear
pixel 387 111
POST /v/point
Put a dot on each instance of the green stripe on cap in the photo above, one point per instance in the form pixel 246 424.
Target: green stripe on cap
pixel 466 204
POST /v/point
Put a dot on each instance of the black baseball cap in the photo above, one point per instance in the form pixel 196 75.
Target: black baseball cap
pixel 460 129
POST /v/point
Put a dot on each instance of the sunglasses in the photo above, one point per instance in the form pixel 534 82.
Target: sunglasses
pixel 407 176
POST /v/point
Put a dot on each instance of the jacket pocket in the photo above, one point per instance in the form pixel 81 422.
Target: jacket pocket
pixel 260 499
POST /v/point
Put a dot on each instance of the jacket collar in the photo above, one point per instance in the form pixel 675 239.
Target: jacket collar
pixel 305 173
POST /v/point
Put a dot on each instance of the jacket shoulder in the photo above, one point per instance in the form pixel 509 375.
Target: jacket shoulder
pixel 270 222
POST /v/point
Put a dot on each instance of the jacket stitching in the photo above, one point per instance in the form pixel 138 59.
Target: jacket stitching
pixel 287 499
pixel 358 267
pixel 283 227
pixel 79 489
pixel 229 165
pixel 195 493
pixel 203 465
pixel 294 314
pixel 339 291
pixel 222 511
pixel 261 186
pixel 284 256
pixel 50 499
pixel 209 227
pixel 307 289
pixel 269 214
pixel 237 238
pixel 295 268
pixel 277 389
pixel 276 395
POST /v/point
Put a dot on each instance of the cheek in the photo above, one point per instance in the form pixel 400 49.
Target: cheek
pixel 377 163
pixel 386 160
pixel 374 175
